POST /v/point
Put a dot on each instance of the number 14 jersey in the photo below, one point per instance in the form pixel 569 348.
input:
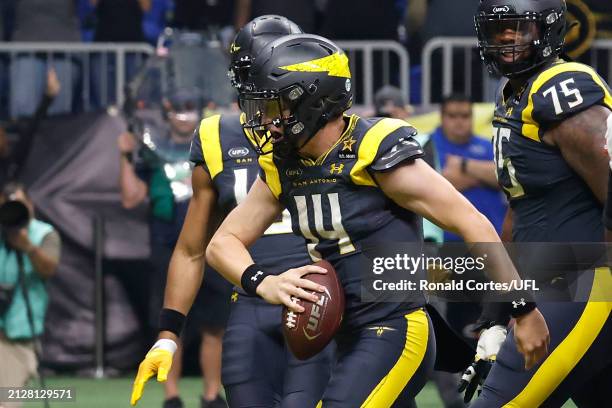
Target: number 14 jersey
pixel 550 202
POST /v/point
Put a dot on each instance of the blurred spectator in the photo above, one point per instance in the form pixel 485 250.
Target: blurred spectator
pixel 389 102
pixel 301 12
pixel 29 254
pixel 155 20
pixel 213 16
pixel 120 20
pixel 435 18
pixel 7 19
pixel 43 21
pixel 466 161
pixel 362 20
pixel 13 155
pixel 87 18
pixel 115 21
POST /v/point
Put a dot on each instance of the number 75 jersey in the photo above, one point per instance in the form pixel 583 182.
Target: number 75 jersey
pixel 550 202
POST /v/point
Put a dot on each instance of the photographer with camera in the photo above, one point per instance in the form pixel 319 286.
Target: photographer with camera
pixel 29 254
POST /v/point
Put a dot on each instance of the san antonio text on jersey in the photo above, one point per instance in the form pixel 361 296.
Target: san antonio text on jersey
pixel 550 202
pixel 337 206
pixel 221 148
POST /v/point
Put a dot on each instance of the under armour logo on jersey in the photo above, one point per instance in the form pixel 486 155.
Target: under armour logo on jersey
pixel 516 304
pixel 256 276
pixel 336 168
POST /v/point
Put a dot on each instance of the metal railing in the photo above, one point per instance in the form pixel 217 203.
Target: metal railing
pixel 106 66
pixel 452 64
pixel 97 72
pixel 374 64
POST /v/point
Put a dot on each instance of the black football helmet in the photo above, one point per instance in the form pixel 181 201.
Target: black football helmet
pixel 251 38
pixel 299 83
pixel 517 36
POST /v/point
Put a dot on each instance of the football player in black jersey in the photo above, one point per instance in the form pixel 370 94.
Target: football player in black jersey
pixel 549 133
pixel 349 183
pixel 257 369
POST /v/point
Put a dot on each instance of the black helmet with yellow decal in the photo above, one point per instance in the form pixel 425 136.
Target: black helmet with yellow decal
pixel 299 83
pixel 517 36
pixel 251 38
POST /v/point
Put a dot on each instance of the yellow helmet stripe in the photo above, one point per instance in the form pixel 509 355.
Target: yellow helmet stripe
pixel 336 65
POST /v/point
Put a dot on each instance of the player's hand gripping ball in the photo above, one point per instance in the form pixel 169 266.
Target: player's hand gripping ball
pixel 308 333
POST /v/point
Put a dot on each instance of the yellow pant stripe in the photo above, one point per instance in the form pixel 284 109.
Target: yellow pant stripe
pixel 390 387
pixel 567 354
pixel 211 144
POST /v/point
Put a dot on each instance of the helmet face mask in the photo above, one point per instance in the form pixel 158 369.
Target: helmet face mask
pixel 517 37
pixel 269 116
pixel 509 44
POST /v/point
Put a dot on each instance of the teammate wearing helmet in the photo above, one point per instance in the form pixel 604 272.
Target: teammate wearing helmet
pixel 349 183
pixel 549 134
pixel 257 370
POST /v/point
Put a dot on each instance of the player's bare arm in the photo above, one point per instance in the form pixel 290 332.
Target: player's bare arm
pixel 506 233
pixel 184 279
pixel 227 251
pixel 186 267
pixel 133 189
pixel 582 140
pixel 417 187
pixel 483 170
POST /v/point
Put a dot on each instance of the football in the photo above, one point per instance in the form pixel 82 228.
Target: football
pixel 308 333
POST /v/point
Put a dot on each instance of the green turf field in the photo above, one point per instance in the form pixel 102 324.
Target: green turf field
pixel 115 393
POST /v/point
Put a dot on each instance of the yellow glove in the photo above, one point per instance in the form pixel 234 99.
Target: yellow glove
pixel 157 361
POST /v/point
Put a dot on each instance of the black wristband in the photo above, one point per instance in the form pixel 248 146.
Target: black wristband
pixel 493 314
pixel 464 164
pixel 518 302
pixel 172 321
pixel 520 307
pixel 129 156
pixel 252 278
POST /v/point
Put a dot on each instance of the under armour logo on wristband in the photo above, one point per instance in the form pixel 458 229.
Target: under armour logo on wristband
pixel 521 302
pixel 257 275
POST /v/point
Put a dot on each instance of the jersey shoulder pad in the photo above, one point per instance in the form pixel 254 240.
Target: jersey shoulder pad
pixel 269 174
pixel 406 148
pixel 391 139
pixel 206 146
pixel 561 91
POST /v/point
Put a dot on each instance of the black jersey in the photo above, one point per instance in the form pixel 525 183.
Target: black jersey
pixel 550 202
pixel 337 206
pixel 222 149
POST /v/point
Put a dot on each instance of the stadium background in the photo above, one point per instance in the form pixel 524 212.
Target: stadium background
pixel 95 323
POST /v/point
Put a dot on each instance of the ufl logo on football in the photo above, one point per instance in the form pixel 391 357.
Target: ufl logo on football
pixel 336 168
pixel 315 317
